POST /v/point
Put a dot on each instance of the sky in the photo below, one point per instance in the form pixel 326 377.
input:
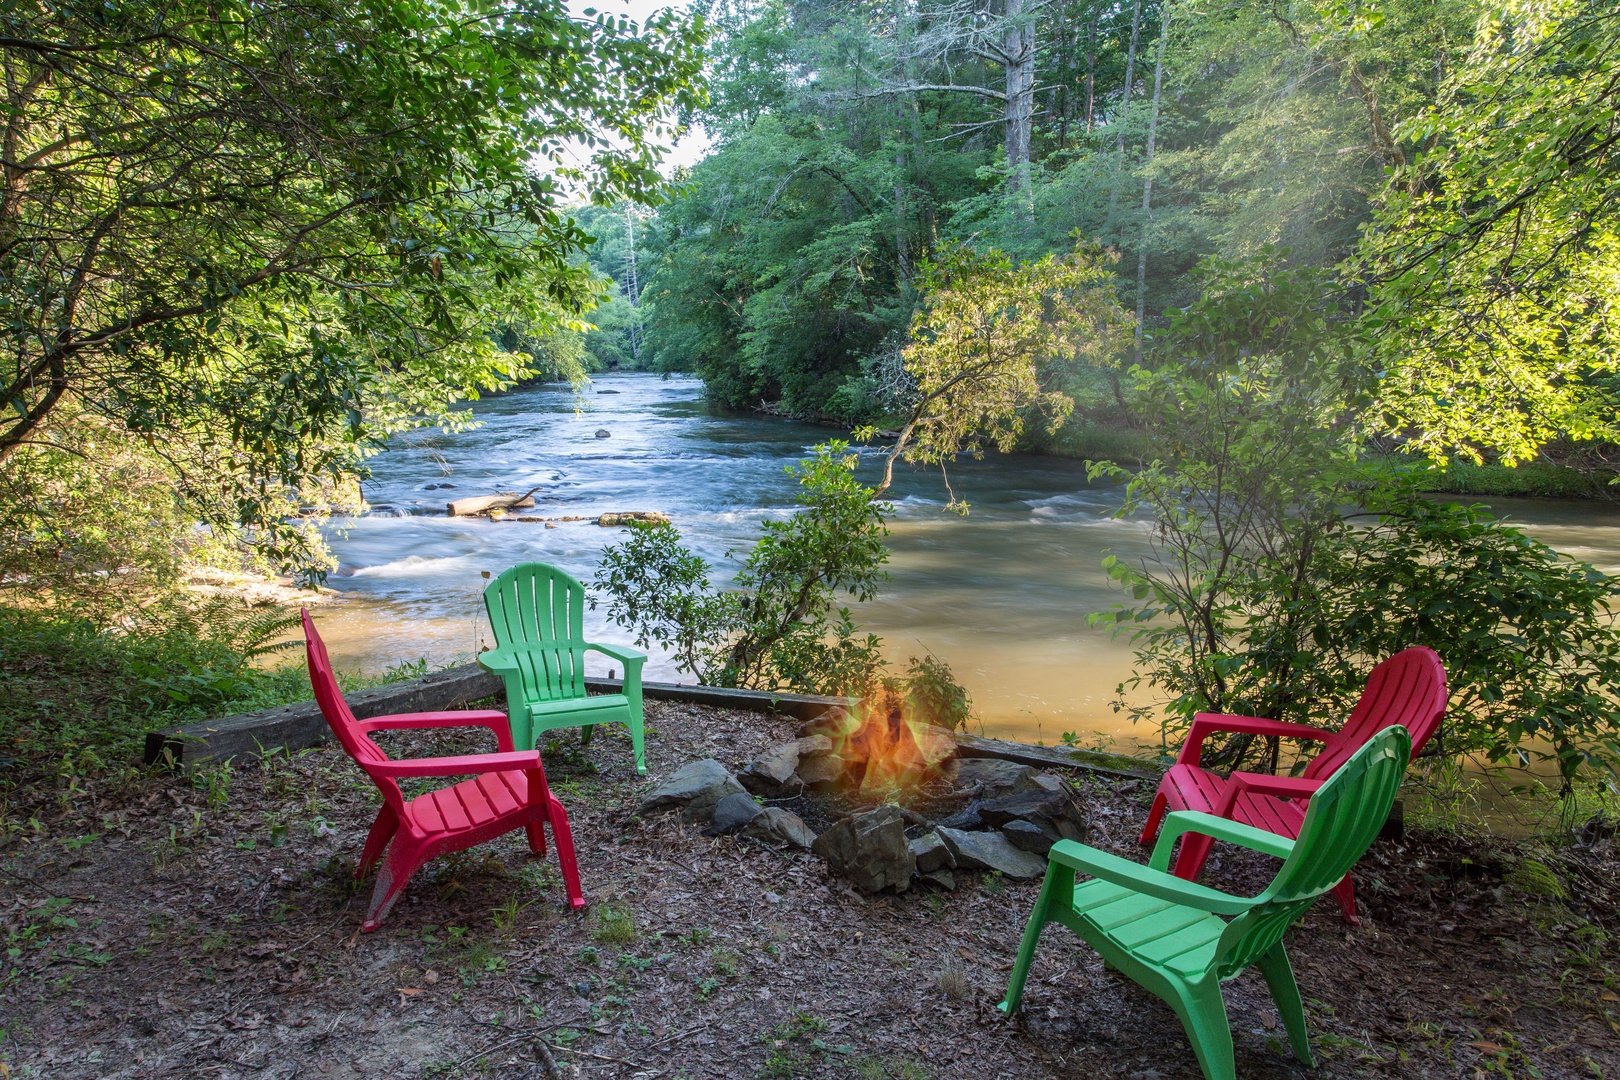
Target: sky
pixel 690 148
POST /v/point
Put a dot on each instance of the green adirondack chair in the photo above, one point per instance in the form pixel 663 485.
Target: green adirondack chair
pixel 1165 933
pixel 537 613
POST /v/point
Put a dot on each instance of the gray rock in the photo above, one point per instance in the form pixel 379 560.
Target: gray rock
pixel 732 813
pixel 772 773
pixel 694 789
pixel 966 818
pixel 930 853
pixel 869 850
pixel 603 433
pixel 835 723
pixel 991 851
pixel 819 772
pixel 993 777
pixel 1057 812
pixel 941 877
pixel 777 826
pixel 1029 836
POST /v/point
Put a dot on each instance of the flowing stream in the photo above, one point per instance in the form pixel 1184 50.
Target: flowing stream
pixel 1002 594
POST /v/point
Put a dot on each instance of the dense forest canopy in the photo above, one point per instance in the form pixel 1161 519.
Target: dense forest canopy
pixel 240 243
pixel 1450 161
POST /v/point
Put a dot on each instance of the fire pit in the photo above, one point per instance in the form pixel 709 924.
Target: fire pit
pixel 885 800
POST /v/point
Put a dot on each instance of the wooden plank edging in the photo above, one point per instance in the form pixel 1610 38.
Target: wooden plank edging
pixel 300 725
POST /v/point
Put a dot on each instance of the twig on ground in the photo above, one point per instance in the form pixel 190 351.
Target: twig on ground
pixel 547 1062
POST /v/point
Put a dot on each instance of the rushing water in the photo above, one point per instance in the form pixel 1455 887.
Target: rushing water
pixel 1002 594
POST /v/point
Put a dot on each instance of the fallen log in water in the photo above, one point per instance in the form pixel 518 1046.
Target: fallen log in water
pixel 483 504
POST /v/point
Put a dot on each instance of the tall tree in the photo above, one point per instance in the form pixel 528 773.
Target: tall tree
pixel 1496 255
pixel 283 228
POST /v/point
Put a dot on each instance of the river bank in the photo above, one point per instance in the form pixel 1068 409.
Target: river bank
pixel 166 926
pixel 1002 595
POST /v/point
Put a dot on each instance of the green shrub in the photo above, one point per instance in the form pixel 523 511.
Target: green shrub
pixel 82 694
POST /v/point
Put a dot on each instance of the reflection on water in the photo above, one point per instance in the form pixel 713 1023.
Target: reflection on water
pixel 1002 594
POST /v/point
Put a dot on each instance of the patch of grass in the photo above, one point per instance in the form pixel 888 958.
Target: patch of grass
pixel 892 1068
pixel 80 697
pixel 1535 878
pixel 725 962
pixel 1537 479
pixel 614 926
pixel 953 980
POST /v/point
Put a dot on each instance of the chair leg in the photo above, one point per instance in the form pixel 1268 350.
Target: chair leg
pixel 1279 975
pixel 1203 1015
pixel 638 742
pixel 1345 892
pixel 1155 816
pixel 1190 859
pixel 565 851
pixel 1051 889
pixel 537 838
pixel 382 831
pixel 392 877
pixel 585 734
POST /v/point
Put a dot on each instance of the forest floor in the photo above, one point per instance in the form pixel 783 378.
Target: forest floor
pixel 208 926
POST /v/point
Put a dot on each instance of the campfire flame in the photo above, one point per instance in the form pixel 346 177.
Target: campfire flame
pixel 885 751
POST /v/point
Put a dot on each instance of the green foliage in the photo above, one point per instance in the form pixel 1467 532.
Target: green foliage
pixel 856 141
pixel 270 234
pixel 80 696
pixel 1286 568
pixel 933 695
pixel 986 340
pixel 1496 253
pixel 780 627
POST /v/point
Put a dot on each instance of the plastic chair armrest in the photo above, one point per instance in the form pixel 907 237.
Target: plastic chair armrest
pixel 1144 879
pixel 1283 787
pixel 466 765
pixel 486 718
pixel 499 662
pixel 1233 832
pixel 1206 723
pixel 622 653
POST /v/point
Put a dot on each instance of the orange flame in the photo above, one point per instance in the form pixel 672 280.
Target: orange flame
pixel 887 752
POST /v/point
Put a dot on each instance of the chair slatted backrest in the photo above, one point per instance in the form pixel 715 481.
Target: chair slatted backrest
pixel 1343 819
pixel 341 718
pixel 538 615
pixel 1408 689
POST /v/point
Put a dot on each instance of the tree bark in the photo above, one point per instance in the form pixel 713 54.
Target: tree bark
pixel 1091 66
pixel 1147 182
pixel 1018 45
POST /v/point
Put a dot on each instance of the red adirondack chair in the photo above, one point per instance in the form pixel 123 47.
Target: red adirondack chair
pixel 508 791
pixel 1408 689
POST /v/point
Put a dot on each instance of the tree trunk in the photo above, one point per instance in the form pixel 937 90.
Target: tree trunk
pixel 1124 107
pixel 635 286
pixel 1130 77
pixel 1147 183
pixel 1091 66
pixel 1018 45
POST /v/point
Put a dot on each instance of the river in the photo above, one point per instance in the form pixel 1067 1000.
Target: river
pixel 1001 594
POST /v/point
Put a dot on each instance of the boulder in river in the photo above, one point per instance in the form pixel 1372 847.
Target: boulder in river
pixel 603 433
pixel 633 517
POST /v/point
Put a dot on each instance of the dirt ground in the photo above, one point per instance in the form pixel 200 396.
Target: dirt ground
pixel 208 926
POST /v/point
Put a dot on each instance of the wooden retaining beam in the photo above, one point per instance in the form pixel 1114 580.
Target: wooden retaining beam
pixel 294 727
